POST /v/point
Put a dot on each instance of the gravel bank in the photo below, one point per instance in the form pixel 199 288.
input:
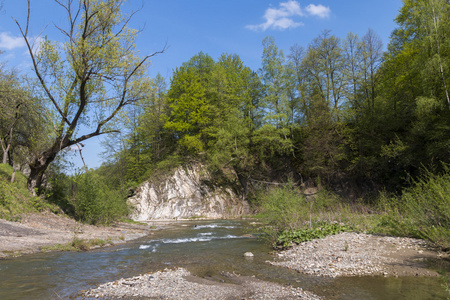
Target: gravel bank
pixel 180 284
pixel 355 254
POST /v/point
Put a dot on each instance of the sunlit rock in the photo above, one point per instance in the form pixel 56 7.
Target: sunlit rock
pixel 187 193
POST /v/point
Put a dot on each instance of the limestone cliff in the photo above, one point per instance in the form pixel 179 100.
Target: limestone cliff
pixel 188 192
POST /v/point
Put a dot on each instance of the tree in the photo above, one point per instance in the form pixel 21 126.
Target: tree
pixel 234 113
pixel 12 98
pixel 151 126
pixel 352 69
pixel 425 24
pixel 87 80
pixel 372 52
pixel 22 124
pixel 299 107
pixel 189 115
pixel 274 78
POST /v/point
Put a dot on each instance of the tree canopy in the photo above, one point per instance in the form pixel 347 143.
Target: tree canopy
pixel 338 110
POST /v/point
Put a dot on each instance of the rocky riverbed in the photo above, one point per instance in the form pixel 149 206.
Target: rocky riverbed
pixel 180 284
pixel 357 254
pixel 345 254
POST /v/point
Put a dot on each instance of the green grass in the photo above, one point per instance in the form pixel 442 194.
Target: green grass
pixel 15 199
pixel 130 221
pixel 289 217
pixel 78 245
pixel 422 211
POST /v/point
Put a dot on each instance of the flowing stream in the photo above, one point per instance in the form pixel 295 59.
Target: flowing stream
pixel 205 248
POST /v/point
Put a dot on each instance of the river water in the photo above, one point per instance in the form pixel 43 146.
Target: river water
pixel 205 248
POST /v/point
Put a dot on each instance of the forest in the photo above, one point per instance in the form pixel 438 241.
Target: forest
pixel 366 125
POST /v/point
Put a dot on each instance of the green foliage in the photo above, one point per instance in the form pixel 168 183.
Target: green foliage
pixel 190 114
pixel 87 79
pixel 290 217
pixel 319 230
pixel 95 203
pixel 77 244
pixel 15 199
pixel 422 211
pixel 445 279
pixel 283 208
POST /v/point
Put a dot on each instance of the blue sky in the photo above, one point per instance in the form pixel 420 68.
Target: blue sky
pixel 211 26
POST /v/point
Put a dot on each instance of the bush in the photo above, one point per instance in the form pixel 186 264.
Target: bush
pixel 320 230
pixel 289 216
pixel 282 208
pixel 422 211
pixel 95 203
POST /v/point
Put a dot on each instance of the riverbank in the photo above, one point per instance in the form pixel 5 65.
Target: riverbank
pixel 39 231
pixel 357 254
pixel 180 284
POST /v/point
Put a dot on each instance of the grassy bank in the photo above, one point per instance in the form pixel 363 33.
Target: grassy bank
pixel 422 211
pixel 79 245
pixel 15 199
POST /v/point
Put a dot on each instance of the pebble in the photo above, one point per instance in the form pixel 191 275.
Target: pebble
pixel 171 284
pixel 345 254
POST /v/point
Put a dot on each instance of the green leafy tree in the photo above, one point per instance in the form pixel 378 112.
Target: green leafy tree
pixel 189 111
pixel 23 127
pixel 156 141
pixel 234 112
pixel 87 78
pixel 275 80
pixel 372 54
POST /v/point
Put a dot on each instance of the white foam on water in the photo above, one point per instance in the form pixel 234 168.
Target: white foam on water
pixel 205 233
pixel 185 240
pixel 214 226
pixel 231 237
pixel 145 247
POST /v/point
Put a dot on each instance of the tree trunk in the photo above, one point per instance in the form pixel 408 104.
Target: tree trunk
pixel 38 167
pixel 438 48
pixel 13 176
pixel 243 180
pixel 5 157
pixel 5 151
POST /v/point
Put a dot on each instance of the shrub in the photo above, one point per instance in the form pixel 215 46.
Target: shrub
pixel 319 230
pixel 289 216
pixel 95 203
pixel 422 211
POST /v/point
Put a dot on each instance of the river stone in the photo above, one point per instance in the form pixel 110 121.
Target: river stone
pixel 248 254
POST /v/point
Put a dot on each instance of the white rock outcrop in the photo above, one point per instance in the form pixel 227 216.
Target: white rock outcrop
pixel 185 194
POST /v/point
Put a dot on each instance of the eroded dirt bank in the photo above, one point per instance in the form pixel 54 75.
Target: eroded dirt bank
pixel 35 231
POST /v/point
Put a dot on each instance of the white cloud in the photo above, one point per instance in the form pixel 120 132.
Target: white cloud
pixel 10 42
pixel 318 10
pixel 283 17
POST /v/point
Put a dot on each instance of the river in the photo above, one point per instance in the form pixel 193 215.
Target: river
pixel 205 248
